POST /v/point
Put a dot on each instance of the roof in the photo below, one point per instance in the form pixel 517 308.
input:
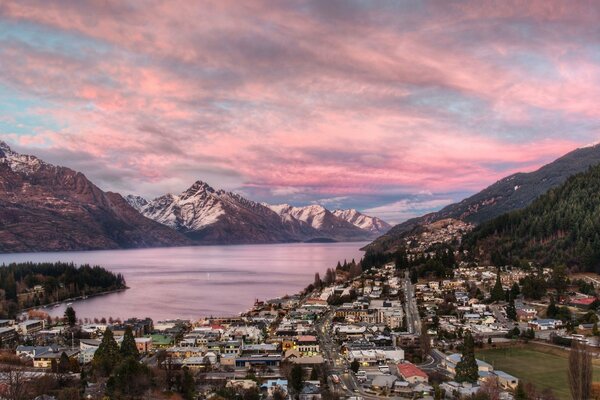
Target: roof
pixel 408 370
pixel 585 301
pixel 307 338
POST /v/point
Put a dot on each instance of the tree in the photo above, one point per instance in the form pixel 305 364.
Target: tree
pixel 595 330
pixel 490 389
pixel 497 293
pixel 296 379
pixel 64 364
pixel 108 355
pixel 70 316
pixel 515 290
pixel 580 371
pixel 318 283
pixel 130 378
pixel 520 393
pixel 188 385
pixel 128 346
pixel 355 365
pixel 552 310
pixel 466 368
pixel 511 311
pixel 559 280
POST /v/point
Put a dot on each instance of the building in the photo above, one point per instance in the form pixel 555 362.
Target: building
pixel 451 360
pixel 507 381
pixel 143 344
pixel 257 360
pixel 31 326
pixel 412 374
pixel 7 334
pixel 544 324
pixel 307 345
pixel 44 359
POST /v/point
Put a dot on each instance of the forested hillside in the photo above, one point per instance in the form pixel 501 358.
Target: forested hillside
pixel 560 227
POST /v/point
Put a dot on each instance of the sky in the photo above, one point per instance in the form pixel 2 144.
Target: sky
pixel 396 108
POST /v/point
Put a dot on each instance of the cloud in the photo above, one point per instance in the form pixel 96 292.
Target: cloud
pixel 404 209
pixel 300 101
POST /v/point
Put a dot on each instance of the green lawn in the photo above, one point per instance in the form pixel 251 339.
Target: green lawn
pixel 542 368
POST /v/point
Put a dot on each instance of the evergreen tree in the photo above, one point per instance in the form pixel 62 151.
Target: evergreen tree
pixel 595 331
pixel 497 293
pixel 107 356
pixel 511 310
pixel 552 310
pixel 128 347
pixel 70 316
pixel 466 368
pixel 515 290
pixel 296 379
pixel 64 364
pixel 355 365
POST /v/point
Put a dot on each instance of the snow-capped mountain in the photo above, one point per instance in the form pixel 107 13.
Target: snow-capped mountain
pixel 217 216
pixel 137 202
pixel 44 207
pixel 371 224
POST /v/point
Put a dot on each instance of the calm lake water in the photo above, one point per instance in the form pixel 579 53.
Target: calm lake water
pixel 193 282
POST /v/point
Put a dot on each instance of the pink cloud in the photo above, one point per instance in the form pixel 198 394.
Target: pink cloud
pixel 300 98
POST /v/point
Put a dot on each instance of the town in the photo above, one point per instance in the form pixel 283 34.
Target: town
pixel 378 333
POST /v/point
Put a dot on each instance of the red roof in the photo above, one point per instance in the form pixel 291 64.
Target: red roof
pixel 408 370
pixel 585 302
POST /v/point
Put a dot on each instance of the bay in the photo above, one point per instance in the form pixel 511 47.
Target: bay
pixel 199 281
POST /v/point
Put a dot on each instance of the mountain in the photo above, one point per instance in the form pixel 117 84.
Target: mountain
pixel 371 224
pixel 322 220
pixel 44 207
pixel 211 216
pixel 508 194
pixel 560 227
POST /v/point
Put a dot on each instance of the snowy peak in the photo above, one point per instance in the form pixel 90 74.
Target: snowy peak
pixel 370 224
pixel 20 163
pixel 137 202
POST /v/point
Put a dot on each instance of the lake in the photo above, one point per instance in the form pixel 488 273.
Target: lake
pixel 199 281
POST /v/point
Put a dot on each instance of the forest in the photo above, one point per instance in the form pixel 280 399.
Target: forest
pixel 24 285
pixel 562 227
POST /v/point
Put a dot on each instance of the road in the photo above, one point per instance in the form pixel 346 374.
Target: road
pixel 413 320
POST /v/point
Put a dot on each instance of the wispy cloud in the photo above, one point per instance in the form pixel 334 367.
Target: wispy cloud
pixel 309 99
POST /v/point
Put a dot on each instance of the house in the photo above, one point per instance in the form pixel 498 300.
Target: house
pixel 273 384
pixel 44 359
pixel 412 374
pixel 507 381
pixel 310 391
pixel 383 381
pixel 451 360
pixel 143 344
pixel 7 334
pixel 544 324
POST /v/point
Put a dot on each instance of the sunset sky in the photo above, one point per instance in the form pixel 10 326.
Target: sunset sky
pixel 393 107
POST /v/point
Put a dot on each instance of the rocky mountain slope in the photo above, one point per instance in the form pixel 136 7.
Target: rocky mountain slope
pixel 508 194
pixel 208 215
pixel 371 224
pixel 50 208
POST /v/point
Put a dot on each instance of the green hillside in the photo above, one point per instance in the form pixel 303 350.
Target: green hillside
pixel 560 227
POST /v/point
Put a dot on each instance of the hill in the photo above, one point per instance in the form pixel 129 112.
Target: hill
pixel 508 194
pixel 560 227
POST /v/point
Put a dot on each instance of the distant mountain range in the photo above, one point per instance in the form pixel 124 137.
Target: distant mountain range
pixel 508 194
pixel 44 207
pixel 216 216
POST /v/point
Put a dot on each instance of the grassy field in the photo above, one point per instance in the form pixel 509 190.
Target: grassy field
pixel 544 367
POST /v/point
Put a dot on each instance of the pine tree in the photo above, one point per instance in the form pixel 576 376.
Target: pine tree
pixel 70 316
pixel 497 293
pixel 552 310
pixel 188 385
pixel 107 356
pixel 128 347
pixel 466 368
pixel 511 310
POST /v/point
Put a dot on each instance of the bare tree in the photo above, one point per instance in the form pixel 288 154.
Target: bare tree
pixel 491 388
pixel 580 371
pixel 15 384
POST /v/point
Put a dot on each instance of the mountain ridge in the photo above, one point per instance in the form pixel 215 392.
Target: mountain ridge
pixel 511 193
